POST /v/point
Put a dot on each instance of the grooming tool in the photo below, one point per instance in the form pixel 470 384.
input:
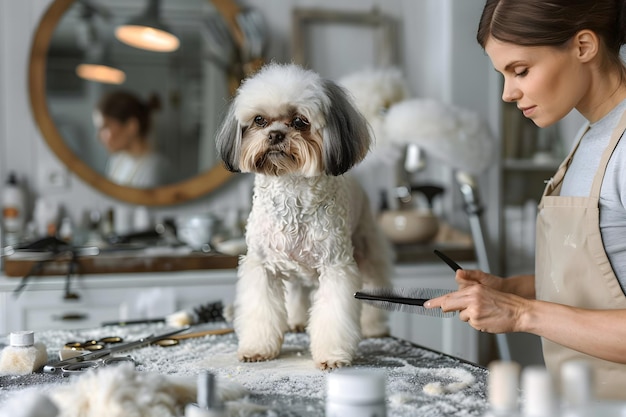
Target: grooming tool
pixel 130 322
pixel 80 367
pixel 175 340
pixel 104 353
pixel 205 313
pixel 455 267
pixel 74 348
pixel 408 300
pixel 202 334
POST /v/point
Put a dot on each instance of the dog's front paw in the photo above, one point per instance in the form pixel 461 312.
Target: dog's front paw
pixel 258 353
pixel 255 357
pixel 332 364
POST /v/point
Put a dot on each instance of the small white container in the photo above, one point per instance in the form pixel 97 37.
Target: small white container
pixel 539 398
pixel 355 393
pixel 503 389
pixel 23 356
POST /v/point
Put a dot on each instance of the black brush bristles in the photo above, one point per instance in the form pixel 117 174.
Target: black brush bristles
pixel 407 300
pixel 208 313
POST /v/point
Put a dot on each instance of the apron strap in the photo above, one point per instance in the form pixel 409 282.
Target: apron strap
pixel 555 181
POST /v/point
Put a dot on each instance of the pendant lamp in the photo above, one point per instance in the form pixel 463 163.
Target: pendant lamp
pixel 148 32
pixel 101 69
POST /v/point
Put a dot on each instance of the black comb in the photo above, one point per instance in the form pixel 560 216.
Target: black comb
pixel 408 300
pixel 455 267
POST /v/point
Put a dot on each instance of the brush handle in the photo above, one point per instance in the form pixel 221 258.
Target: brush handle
pixel 455 267
pixel 129 322
pixel 202 333
pixel 391 299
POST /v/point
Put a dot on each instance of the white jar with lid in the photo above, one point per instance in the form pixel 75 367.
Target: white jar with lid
pixel 22 356
pixel 355 393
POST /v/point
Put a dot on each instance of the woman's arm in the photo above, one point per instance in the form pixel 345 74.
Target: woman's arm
pixel 599 333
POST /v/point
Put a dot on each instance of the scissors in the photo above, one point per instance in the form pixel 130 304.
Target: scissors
pixel 101 357
pixel 80 367
pixel 92 345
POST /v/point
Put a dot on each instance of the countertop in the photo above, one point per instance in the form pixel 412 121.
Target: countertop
pixel 117 262
pixel 44 264
pixel 419 381
pixel 455 243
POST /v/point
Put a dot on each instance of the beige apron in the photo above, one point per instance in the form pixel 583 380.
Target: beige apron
pixel 572 267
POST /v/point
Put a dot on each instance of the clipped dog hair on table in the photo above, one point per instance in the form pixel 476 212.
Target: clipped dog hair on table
pixel 121 391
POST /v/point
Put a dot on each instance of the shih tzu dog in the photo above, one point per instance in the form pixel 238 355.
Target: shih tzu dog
pixel 312 239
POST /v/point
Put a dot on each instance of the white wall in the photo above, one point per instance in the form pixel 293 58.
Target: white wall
pixel 437 51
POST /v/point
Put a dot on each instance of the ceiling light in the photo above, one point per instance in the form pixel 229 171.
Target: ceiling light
pixel 148 32
pixel 101 69
pixel 101 73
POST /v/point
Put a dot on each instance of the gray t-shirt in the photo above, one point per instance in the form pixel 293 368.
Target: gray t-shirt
pixel 579 177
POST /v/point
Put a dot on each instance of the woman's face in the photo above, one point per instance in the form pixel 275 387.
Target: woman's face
pixel 115 135
pixel 545 82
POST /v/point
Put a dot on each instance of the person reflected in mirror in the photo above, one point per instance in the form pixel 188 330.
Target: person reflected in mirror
pixel 123 122
pixel 555 57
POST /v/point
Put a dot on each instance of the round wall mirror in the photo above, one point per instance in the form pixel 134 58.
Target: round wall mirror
pixel 191 84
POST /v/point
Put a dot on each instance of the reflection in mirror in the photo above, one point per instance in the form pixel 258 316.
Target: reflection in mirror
pixel 187 85
pixel 193 84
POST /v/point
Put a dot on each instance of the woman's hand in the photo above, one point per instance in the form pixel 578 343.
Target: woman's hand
pixel 468 277
pixel 521 285
pixel 484 308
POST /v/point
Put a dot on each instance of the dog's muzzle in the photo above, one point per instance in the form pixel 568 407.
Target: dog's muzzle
pixel 275 137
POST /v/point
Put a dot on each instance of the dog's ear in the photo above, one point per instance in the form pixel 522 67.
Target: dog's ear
pixel 346 135
pixel 228 140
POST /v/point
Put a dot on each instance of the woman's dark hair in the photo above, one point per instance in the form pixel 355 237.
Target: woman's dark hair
pixel 554 22
pixel 124 105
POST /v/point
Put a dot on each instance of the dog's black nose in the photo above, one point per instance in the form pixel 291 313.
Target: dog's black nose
pixel 276 136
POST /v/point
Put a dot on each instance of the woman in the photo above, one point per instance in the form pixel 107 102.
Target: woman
pixel 557 56
pixel 123 122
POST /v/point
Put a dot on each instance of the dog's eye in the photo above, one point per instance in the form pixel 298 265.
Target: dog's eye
pixel 299 123
pixel 260 121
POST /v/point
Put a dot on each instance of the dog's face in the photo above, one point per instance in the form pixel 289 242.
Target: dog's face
pixel 277 144
pixel 287 120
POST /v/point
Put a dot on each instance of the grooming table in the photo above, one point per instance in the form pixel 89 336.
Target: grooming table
pixel 289 385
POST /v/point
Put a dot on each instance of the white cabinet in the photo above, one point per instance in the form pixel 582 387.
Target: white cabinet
pixel 147 295
pixel 43 305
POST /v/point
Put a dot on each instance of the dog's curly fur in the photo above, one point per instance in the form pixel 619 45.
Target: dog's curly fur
pixel 312 239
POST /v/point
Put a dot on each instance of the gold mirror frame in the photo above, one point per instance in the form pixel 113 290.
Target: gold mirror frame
pixel 178 193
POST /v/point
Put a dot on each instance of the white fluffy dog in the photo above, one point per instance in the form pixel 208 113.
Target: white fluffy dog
pixel 311 237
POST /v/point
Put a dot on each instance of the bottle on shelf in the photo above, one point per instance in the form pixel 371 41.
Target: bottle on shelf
pixel 13 210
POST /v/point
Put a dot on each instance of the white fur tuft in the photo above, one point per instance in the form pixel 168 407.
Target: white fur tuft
pixel 121 391
pixel 276 87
